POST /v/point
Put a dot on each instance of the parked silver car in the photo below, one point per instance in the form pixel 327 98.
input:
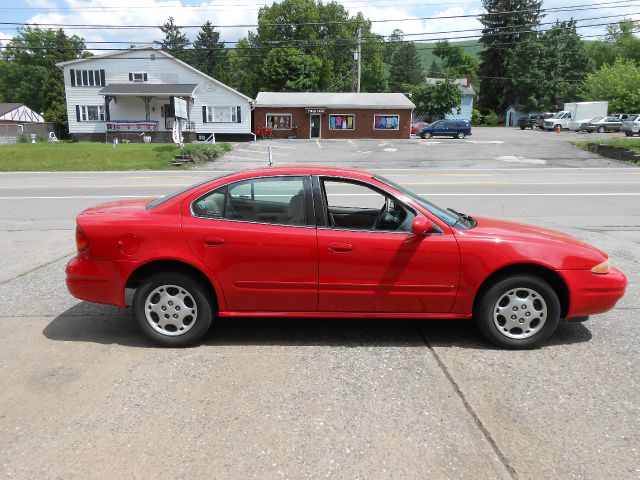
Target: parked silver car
pixel 604 124
pixel 631 126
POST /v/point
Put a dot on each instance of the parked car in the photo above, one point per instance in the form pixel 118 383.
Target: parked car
pixel 584 125
pixel 604 124
pixel 542 117
pixel 446 128
pixel 631 126
pixel 528 121
pixel 417 126
pixel 575 113
pixel 288 242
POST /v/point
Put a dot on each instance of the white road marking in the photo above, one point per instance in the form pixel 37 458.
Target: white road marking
pixel 389 149
pixel 485 141
pixel 518 159
pixel 272 146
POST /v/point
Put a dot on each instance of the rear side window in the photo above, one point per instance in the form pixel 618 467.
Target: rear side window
pixel 274 200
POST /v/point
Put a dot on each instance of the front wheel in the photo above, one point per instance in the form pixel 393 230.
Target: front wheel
pixel 458 135
pixel 428 135
pixel 518 312
pixel 172 309
pixel 522 128
pixel 601 129
pixel 628 134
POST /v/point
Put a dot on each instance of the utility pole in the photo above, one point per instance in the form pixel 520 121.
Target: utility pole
pixel 359 57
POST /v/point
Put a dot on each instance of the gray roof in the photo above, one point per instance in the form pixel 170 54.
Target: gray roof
pixel 8 107
pixel 333 100
pixel 461 82
pixel 177 89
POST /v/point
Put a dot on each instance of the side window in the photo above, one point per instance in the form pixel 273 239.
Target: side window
pixel 354 206
pixel 211 205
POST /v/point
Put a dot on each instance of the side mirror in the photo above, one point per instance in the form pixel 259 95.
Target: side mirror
pixel 421 226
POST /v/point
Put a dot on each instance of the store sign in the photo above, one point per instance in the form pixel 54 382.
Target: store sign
pixel 315 110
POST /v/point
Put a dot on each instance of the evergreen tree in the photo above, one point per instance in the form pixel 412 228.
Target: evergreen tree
pixel 209 54
pixel 406 67
pixel 506 23
pixel 175 42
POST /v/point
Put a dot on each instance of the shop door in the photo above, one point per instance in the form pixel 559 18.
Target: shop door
pixel 315 126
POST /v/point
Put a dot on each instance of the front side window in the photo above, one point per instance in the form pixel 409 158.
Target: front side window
pixel 342 122
pixel 386 122
pixel 92 113
pixel 222 114
pixel 274 200
pixel 279 121
pixel 354 206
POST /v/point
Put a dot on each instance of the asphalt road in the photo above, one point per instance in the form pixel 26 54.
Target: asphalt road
pixel 83 395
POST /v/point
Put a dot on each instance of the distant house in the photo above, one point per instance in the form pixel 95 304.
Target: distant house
pixel 145 91
pixel 333 115
pixel 462 112
pixel 17 119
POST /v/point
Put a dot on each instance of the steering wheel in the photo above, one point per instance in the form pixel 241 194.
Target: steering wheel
pixel 384 211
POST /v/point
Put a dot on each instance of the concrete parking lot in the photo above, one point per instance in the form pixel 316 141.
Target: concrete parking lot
pixel 84 395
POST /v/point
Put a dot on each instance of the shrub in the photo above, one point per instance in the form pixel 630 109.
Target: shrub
pixel 476 117
pixel 492 119
pixel 23 138
pixel 206 152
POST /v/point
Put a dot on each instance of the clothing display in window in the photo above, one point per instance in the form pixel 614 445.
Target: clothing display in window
pixel 341 122
pixel 383 122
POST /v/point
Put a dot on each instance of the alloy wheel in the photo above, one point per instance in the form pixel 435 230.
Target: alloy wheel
pixel 520 313
pixel 170 310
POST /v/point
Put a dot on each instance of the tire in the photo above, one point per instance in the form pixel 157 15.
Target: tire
pixel 428 135
pixel 628 134
pixel 422 136
pixel 522 128
pixel 177 293
pixel 558 126
pixel 522 294
pixel 457 135
pixel 601 129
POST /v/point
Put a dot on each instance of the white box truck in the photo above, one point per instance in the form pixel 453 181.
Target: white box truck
pixel 575 113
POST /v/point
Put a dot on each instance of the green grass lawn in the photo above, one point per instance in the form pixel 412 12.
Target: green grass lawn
pixel 631 143
pixel 29 157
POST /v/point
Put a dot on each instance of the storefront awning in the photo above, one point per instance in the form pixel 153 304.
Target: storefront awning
pixel 150 89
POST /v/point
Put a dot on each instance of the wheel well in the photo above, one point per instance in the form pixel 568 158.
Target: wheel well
pixel 556 282
pixel 138 276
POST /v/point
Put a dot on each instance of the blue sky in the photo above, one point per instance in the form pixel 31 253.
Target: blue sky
pixel 225 12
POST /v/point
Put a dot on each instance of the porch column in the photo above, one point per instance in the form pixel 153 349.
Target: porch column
pixel 107 113
pixel 147 110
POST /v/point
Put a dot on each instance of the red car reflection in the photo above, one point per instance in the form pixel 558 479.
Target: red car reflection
pixel 417 126
pixel 327 242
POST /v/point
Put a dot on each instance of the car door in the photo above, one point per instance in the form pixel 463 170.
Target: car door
pixel 384 268
pixel 438 128
pixel 258 237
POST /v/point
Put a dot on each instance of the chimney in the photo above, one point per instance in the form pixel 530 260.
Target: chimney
pixel 468 80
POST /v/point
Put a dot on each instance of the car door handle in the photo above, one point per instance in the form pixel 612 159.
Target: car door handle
pixel 213 241
pixel 340 247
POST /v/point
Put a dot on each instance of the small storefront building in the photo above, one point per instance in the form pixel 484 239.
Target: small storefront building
pixel 333 115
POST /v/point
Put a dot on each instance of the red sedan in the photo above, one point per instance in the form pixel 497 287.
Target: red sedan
pixel 417 126
pixel 326 242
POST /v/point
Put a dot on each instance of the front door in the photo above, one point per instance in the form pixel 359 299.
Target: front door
pixel 258 237
pixel 370 262
pixel 315 126
pixel 166 112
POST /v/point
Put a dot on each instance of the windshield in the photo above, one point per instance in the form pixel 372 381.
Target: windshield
pixel 597 119
pixel 446 216
pixel 559 115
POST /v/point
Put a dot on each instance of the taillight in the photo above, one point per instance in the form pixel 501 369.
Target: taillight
pixel 82 242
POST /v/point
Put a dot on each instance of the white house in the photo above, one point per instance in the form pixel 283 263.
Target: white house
pixel 131 93
pixel 463 112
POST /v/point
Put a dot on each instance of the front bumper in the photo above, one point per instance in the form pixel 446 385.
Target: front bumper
pixel 98 281
pixel 590 293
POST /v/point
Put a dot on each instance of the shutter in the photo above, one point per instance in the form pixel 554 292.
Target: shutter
pixel 102 78
pixel 145 77
pixel 238 112
pixel 78 113
pixel 204 114
pixel 130 77
pixel 107 113
pixel 72 72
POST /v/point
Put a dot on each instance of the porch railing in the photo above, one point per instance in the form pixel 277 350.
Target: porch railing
pixel 187 126
pixel 132 126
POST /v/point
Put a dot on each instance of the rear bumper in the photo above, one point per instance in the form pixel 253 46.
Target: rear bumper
pixel 590 294
pixel 96 281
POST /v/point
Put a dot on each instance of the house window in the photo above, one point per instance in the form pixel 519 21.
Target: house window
pixel 222 114
pixel 342 122
pixel 92 113
pixel 386 122
pixel 279 121
pixel 87 78
pixel 138 77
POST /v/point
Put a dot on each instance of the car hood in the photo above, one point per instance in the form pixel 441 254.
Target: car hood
pixel 513 231
pixel 119 207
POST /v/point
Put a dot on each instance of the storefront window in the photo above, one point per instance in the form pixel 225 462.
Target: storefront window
pixel 279 121
pixel 386 122
pixel 342 122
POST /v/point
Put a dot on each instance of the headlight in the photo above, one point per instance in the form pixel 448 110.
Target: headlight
pixel 601 269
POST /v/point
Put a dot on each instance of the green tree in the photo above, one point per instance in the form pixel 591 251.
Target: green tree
pixel 455 61
pixel 209 54
pixel 618 83
pixel 174 42
pixel 406 67
pixel 242 73
pixel 290 70
pixel 435 100
pixel 620 41
pixel 29 75
pixel 506 24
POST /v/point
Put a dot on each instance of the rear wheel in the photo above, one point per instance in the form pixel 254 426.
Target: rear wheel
pixel 458 135
pixel 518 312
pixel 601 129
pixel 172 309
pixel 628 134
pixel 522 127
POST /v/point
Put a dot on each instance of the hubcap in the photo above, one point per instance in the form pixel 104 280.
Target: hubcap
pixel 520 313
pixel 170 310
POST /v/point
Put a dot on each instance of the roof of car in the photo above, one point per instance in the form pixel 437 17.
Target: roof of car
pixel 306 169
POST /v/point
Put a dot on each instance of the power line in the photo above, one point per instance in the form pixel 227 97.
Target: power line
pixel 570 8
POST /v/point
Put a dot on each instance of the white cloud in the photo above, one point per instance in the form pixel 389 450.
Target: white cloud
pixel 41 3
